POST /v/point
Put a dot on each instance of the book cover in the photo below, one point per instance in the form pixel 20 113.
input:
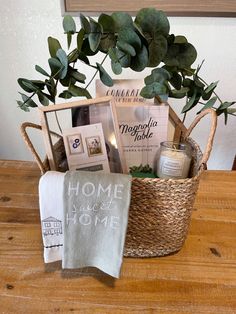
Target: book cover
pixel 142 129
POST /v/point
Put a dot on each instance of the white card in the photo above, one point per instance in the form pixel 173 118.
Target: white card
pixel 85 148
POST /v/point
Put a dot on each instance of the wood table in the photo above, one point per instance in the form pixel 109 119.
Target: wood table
pixel 201 278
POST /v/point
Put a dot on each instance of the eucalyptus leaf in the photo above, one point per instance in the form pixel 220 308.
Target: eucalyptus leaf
pixel 231 111
pixel 65 94
pixel 180 55
pixel 225 105
pixel 176 80
pixel 86 50
pixel 121 20
pixel 61 55
pixel 28 84
pixel 23 106
pixel 41 70
pixel 140 61
pixel 152 22
pixel 198 83
pixel 190 104
pixel 38 83
pixel 78 76
pixel 80 38
pixel 211 87
pixel 157 50
pixel 209 104
pixel 95 35
pixel 108 39
pixel 187 82
pixel 107 23
pixel 69 24
pixel 26 87
pixel 178 93
pixel 79 91
pixel 115 62
pixel 67 81
pixel 130 37
pixel 159 75
pixel 126 48
pixel 43 100
pixel 56 67
pixel 53 45
pixel 152 90
pixel 180 40
pixel 49 97
pixel 104 76
pixel 85 24
pixel 124 58
pixel 209 91
pixel 112 52
pixel 28 101
pixel 170 39
pixel 139 29
pixel 51 87
pixel 83 58
pixel 73 56
pixel 116 67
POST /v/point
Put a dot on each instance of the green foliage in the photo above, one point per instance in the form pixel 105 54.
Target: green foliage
pixel 144 42
pixel 143 169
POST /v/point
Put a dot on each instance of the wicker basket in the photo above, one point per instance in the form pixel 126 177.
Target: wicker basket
pixel 160 209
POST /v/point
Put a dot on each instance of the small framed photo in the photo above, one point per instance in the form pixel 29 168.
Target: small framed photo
pixel 75 145
pixel 91 153
pixel 94 146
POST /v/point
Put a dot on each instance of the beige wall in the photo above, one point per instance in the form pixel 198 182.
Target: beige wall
pixel 24 28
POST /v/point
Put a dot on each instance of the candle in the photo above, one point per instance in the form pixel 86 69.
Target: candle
pixel 174 160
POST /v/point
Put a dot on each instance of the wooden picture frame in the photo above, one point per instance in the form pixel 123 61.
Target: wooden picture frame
pixel 75 104
pixel 226 8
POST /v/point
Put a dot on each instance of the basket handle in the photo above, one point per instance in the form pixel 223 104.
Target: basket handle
pixel 208 148
pixel 30 145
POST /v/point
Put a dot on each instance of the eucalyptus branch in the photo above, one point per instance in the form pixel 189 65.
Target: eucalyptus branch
pixel 149 24
pixel 29 98
pixel 96 72
pixel 220 100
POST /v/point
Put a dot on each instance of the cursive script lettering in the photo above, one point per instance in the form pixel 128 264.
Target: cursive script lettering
pixel 139 131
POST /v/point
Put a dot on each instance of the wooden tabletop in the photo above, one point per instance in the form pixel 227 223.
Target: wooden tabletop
pixel 201 278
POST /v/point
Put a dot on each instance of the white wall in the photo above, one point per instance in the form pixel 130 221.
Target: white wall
pixel 24 28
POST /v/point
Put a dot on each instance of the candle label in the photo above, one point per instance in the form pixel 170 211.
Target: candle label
pixel 171 167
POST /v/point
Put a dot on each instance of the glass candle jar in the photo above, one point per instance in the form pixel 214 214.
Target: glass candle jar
pixel 174 160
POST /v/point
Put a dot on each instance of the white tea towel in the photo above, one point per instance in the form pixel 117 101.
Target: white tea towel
pixel 51 213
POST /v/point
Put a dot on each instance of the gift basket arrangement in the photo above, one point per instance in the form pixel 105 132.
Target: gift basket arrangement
pixel 113 137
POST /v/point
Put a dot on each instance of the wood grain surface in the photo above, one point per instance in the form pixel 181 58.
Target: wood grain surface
pixel 171 7
pixel 201 278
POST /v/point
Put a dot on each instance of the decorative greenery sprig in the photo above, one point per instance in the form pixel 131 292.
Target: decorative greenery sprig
pixel 143 169
pixel 144 42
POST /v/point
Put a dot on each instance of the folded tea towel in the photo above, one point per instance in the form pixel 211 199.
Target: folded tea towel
pixel 96 209
pixel 51 213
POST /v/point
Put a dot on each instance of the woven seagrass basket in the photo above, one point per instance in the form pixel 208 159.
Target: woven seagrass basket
pixel 160 209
